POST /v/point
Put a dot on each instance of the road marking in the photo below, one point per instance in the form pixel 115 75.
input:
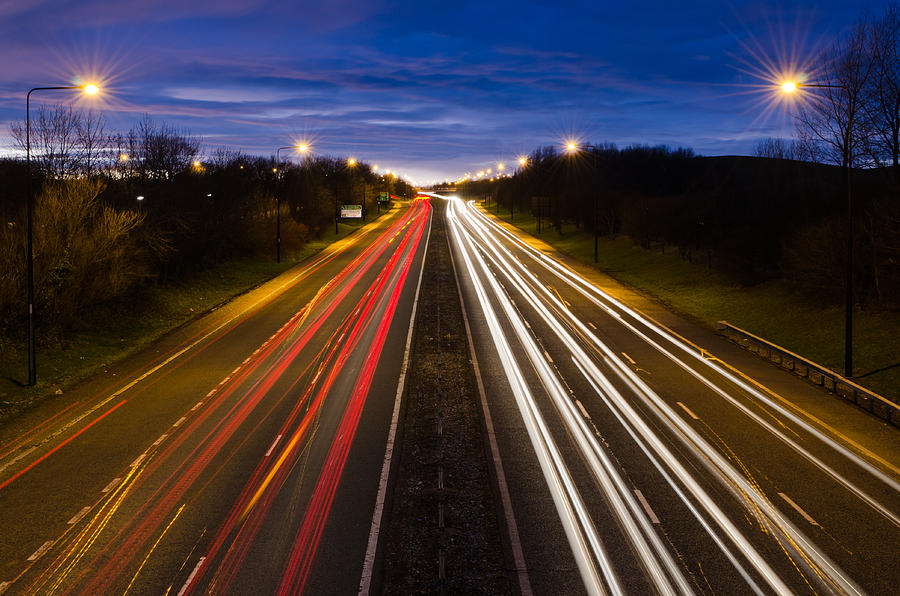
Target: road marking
pixel 594 327
pixel 646 506
pixel 688 410
pixel 179 422
pixel 365 583
pixel 160 440
pixel 199 403
pixel 40 551
pixel 797 508
pixel 17 458
pixel 583 411
pixel 272 448
pixel 212 391
pixel 60 446
pixel 110 486
pixel 139 459
pixel 191 577
pixel 4 586
pixel 627 357
pixel 77 517
pixel 548 356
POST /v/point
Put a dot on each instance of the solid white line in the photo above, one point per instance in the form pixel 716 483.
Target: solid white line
pixel 583 411
pixel 191 577
pixel 512 527
pixel 646 506
pixel 77 517
pixel 272 448
pixel 40 551
pixel 365 582
pixel 688 410
pixel 797 508
pixel 110 486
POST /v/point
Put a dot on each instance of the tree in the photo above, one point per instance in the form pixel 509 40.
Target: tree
pixel 833 116
pixel 54 140
pixel 92 139
pixel 882 105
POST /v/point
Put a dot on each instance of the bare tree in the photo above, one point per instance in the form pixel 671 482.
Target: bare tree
pixel 833 115
pixel 778 148
pixel 161 150
pixel 92 139
pixel 882 105
pixel 54 140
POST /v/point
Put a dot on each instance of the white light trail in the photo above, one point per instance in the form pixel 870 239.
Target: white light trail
pixel 476 235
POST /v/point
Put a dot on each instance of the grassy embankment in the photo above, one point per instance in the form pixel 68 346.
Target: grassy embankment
pixel 115 330
pixel 770 310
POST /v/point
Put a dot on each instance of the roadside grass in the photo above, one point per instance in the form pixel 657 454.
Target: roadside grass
pixel 770 310
pixel 114 330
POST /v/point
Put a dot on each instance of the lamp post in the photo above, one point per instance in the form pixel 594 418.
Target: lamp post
pixel 301 149
pixel 90 90
pixel 791 87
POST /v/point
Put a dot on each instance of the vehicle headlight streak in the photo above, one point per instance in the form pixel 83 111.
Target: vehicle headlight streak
pixel 758 505
pixel 591 292
pixel 576 522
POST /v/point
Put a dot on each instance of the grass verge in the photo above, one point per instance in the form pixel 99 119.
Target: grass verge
pixel 114 330
pixel 770 310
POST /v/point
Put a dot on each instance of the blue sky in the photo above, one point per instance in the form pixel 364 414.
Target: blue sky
pixel 430 89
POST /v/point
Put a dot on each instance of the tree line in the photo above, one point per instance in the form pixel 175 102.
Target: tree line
pixel 752 219
pixel 114 211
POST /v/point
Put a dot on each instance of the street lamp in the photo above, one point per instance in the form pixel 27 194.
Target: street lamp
pixel 301 149
pixel 89 90
pixel 791 87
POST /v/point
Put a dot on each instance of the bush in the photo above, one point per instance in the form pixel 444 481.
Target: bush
pixel 84 252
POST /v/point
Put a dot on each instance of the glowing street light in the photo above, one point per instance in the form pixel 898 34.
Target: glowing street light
pixel 571 147
pixel 89 89
pixel 302 149
pixel 523 161
pixel 351 162
pixel 789 87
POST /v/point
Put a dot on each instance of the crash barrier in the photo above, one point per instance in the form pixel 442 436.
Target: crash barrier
pixel 817 374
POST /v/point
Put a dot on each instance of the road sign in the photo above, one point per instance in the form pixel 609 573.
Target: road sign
pixel 351 211
pixel 384 197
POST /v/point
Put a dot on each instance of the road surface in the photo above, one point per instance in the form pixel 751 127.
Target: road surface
pixel 241 454
pixel 638 462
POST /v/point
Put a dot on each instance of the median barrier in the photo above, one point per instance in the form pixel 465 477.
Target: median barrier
pixel 819 375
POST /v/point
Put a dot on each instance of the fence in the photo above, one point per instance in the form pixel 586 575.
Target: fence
pixel 817 374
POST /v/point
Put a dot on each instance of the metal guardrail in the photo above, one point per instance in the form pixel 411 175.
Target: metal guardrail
pixel 815 373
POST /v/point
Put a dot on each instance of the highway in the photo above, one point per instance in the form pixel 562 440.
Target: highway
pixel 243 453
pixel 639 462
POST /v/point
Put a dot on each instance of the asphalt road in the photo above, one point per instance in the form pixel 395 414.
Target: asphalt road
pixel 240 454
pixel 644 457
